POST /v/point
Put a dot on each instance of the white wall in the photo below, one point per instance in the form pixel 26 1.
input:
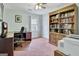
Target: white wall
pixel 45 26
pixel 9 17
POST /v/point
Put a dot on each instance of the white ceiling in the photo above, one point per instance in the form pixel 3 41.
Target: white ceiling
pixel 30 7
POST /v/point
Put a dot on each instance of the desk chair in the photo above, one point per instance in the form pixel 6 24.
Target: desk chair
pixel 18 38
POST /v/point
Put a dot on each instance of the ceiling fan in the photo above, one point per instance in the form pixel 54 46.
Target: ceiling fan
pixel 39 6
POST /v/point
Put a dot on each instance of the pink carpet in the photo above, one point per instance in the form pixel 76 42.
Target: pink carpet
pixel 37 47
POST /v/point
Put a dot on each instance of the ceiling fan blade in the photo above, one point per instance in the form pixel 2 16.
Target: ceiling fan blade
pixel 44 3
pixel 41 5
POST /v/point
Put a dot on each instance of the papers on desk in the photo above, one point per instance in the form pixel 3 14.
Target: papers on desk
pixel 10 34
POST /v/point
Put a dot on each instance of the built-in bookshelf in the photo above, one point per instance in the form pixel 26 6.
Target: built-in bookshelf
pixel 62 21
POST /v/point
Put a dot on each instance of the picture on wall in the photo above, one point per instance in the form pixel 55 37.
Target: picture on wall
pixel 18 18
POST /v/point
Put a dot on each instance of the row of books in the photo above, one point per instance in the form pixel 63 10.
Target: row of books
pixel 69 20
pixel 66 26
pixel 63 31
pixel 61 26
pixel 67 14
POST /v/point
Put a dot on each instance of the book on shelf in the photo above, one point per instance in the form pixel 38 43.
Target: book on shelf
pixel 67 14
pixel 55 16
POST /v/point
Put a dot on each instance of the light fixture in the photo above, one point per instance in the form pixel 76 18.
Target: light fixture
pixel 39 6
pixel 36 7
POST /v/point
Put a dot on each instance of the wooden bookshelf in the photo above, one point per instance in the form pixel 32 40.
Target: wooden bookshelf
pixel 62 22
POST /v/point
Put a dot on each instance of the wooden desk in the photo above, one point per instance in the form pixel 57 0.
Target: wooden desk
pixel 6 46
pixel 26 36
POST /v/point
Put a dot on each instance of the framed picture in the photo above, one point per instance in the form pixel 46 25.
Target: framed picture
pixel 18 18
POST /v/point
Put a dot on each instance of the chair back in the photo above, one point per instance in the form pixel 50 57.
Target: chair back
pixel 22 30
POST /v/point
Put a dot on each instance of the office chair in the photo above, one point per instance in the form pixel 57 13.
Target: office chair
pixel 18 38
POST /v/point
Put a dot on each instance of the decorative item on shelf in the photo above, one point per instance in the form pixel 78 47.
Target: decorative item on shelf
pixel 18 18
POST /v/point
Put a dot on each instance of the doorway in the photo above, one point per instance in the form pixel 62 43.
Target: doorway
pixel 35 26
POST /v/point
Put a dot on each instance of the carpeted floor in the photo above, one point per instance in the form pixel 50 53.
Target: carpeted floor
pixel 37 47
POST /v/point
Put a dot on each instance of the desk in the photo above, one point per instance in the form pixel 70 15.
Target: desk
pixel 26 36
pixel 6 46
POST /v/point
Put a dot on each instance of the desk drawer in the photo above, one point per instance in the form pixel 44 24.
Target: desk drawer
pixel 28 35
